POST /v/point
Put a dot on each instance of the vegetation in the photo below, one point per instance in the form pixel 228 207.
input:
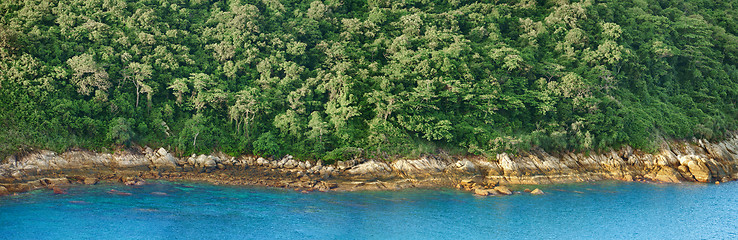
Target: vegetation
pixel 341 78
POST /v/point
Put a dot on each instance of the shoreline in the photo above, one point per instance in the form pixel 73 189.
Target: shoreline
pixel 674 162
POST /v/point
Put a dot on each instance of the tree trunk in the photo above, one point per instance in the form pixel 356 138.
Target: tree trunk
pixel 137 93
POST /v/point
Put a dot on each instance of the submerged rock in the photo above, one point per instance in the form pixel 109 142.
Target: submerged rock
pixel 537 192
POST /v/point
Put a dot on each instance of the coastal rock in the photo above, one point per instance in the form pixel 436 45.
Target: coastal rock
pixel 699 170
pixel 418 167
pixel 537 192
pixel 503 190
pixel 161 152
pixel 667 174
pixel 90 181
pixel 4 191
pixel 262 162
pixel 17 187
pixel 165 162
pixel 55 181
pixel 484 192
pixel 371 168
pixel 130 160
pixel 465 166
pixel 291 164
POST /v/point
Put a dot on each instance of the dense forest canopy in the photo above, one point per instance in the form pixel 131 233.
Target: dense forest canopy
pixel 335 78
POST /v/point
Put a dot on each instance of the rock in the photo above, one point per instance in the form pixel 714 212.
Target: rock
pixel 667 174
pixel 59 191
pixel 467 184
pixel 18 187
pixel 308 164
pixel 537 192
pixel 55 181
pixel 165 161
pixel 419 166
pixel 262 161
pixel 465 166
pixel 162 152
pixel 699 170
pixel 370 168
pixel 210 162
pixel 133 181
pixel 290 164
pixel 503 190
pixel 301 165
pixel 4 191
pixel 90 181
pixel 483 192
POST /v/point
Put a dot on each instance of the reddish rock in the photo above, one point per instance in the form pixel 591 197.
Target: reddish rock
pixel 59 191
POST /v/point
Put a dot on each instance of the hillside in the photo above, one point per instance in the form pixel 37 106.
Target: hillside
pixel 329 80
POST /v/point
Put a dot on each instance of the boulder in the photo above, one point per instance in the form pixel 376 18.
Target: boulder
pixel 291 164
pixel 165 162
pixel 4 191
pixel 699 170
pixel 262 161
pixel 162 152
pixel 503 190
pixel 484 192
pixel 537 192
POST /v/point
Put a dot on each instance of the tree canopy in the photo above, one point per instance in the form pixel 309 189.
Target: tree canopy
pixel 321 78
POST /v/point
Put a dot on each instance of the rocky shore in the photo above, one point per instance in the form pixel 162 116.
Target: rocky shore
pixel 676 161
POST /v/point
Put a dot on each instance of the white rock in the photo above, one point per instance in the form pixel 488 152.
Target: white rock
pixel 162 152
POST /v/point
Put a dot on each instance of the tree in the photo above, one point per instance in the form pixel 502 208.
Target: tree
pixel 138 74
pixel 88 75
pixel 245 109
pixel 120 131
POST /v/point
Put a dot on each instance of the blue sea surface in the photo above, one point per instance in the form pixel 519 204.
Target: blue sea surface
pixel 603 210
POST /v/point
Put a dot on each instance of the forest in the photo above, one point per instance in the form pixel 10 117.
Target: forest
pixel 382 79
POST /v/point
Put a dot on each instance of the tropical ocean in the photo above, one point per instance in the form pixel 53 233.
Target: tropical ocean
pixel 184 210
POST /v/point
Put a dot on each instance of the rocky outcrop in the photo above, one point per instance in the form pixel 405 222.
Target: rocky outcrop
pixel 423 166
pixel 371 169
pixel 677 161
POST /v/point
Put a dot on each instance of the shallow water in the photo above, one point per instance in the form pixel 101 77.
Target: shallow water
pixel 605 210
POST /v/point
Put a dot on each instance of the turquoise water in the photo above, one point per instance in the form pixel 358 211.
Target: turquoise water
pixel 606 210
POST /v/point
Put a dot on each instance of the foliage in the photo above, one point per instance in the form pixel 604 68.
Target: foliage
pixel 393 78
